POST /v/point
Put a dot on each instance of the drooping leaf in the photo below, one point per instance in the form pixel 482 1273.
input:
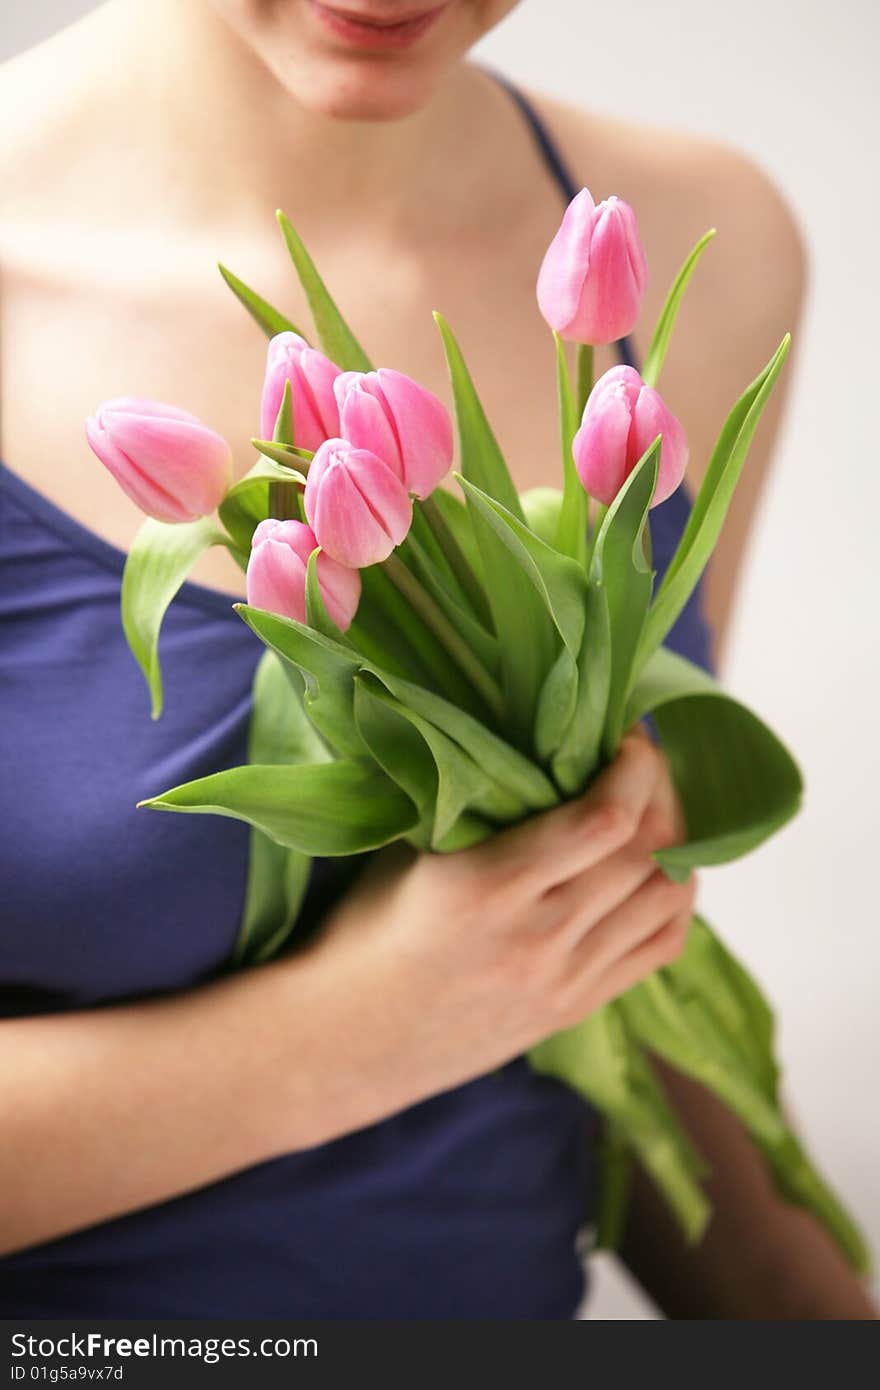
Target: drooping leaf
pixel 328 670
pixel 326 809
pixel 261 311
pixel 482 461
pixel 687 1031
pixel 737 782
pixel 280 732
pixel 663 332
pixel 601 1060
pixel 157 564
pixel 337 339
pixel 515 774
pixel 710 506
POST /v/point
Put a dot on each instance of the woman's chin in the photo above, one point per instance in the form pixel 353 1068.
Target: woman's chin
pixel 351 93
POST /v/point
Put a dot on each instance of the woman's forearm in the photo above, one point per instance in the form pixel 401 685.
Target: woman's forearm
pixel 760 1259
pixel 106 1111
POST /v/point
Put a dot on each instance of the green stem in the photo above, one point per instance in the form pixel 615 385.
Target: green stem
pixel 434 617
pixel 601 509
pixel 584 361
pixel 458 561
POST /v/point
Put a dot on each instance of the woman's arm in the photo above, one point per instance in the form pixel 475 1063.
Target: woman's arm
pixel 761 1258
pixel 433 969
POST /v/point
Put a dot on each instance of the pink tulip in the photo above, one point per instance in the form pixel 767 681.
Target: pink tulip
pixel 166 460
pixel 400 421
pixel 622 418
pixel 358 507
pixel 277 569
pixel 592 279
pixel 311 376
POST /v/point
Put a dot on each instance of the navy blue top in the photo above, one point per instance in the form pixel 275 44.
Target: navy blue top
pixel 467 1205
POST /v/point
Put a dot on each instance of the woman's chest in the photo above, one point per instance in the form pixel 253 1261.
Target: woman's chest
pixel 166 327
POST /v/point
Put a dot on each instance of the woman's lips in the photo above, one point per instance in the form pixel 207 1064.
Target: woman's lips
pixel 378 34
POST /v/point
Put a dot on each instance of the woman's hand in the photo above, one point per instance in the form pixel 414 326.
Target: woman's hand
pixel 433 970
pixel 472 957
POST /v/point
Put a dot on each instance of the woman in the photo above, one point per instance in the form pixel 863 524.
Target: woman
pixel 352 1130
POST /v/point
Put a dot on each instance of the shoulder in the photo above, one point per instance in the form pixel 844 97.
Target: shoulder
pixel 49 100
pixel 680 184
pixel 747 292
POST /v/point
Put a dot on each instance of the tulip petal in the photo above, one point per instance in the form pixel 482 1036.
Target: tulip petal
pixel 566 264
pixel 651 417
pixel 600 445
pixel 185 459
pixel 424 431
pixel 365 423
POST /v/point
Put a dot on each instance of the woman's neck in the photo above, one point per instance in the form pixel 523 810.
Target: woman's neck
pixel 231 140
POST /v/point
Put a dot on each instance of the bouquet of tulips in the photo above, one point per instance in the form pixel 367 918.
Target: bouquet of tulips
pixel 441 665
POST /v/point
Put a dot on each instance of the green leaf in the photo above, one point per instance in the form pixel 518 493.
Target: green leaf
pixel 287 454
pixel 557 703
pixel 317 616
pixel 618 567
pixel 558 580
pixel 513 773
pixel 737 782
pixel 280 732
pixel 482 461
pixel 527 639
pixel 260 310
pixel 400 751
pixel 571 533
pixel 685 1028
pixel 458 802
pixel 246 503
pixel 663 332
pixel 449 597
pixel 578 753
pixel 710 506
pixel 707 971
pixel 157 564
pixel 337 339
pixel 283 431
pixel 599 1058
pixel 328 669
pixel 323 809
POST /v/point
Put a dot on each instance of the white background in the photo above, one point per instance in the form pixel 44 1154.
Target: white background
pixel 795 86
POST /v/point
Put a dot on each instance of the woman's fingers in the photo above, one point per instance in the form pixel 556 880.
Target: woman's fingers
pixel 661 948
pixel 547 850
pixel 629 927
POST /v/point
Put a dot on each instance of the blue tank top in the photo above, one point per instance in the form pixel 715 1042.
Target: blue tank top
pixel 465 1206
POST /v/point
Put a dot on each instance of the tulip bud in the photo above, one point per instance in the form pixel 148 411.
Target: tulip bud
pixel 358 507
pixel 277 570
pixel 170 464
pixel 622 418
pixel 592 280
pixel 398 420
pixel 311 376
